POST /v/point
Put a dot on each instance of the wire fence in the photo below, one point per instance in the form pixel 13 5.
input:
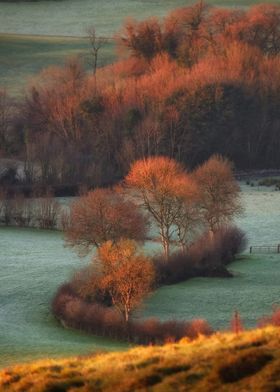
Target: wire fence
pixel 265 249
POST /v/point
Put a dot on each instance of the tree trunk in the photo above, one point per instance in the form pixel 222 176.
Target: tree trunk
pixel 211 233
pixel 166 248
pixel 127 324
pixel 126 315
pixel 183 247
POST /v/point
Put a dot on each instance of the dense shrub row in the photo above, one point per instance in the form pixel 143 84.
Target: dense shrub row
pixel 205 257
pixel 94 313
pixel 106 321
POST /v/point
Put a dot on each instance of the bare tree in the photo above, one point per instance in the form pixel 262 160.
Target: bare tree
pixel 46 212
pixel 6 112
pixel 96 43
pixel 2 202
pixel 22 210
pixel 7 211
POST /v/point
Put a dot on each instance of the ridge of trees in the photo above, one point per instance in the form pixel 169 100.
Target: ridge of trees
pixel 203 80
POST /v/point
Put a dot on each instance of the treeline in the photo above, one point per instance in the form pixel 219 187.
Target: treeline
pixel 38 211
pixel 203 80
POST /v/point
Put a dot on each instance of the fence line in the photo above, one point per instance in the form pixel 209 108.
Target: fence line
pixel 265 249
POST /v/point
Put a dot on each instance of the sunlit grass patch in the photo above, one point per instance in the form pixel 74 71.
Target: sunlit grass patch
pixel 226 362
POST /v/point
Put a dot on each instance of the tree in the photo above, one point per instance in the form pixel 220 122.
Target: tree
pixel 23 210
pixel 188 220
pixel 2 199
pixel 53 103
pixel 126 274
pixel 96 43
pixel 143 39
pixel 260 27
pixel 7 110
pixel 186 29
pixel 47 210
pixel 102 215
pixel 236 323
pixel 219 192
pixel 161 184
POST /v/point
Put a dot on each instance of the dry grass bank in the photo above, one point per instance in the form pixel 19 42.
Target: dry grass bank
pixel 225 362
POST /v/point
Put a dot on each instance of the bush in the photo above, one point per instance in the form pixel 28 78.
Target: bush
pixel 96 318
pixel 270 182
pixel 208 256
pixel 273 319
pixel 80 304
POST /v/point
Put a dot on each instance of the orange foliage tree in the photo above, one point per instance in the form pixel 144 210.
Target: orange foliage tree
pixel 142 39
pixel 127 275
pixel 260 27
pixel 219 192
pixel 102 215
pixel 55 98
pixel 163 188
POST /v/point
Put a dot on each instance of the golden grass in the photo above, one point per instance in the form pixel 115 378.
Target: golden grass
pixel 224 362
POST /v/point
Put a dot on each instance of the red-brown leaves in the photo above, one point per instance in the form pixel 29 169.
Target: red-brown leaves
pixel 219 192
pixel 165 191
pixel 143 39
pixel 103 215
pixel 126 274
pixel 273 319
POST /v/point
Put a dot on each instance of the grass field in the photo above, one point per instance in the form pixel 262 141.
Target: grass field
pixel 22 57
pixel 225 362
pixel 70 17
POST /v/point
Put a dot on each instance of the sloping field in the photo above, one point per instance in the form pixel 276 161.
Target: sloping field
pixel 246 362
pixel 23 56
pixel 70 17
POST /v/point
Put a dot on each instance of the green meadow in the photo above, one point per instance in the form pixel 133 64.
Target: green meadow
pixel 23 56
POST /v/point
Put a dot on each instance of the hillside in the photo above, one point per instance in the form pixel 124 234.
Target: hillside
pixel 23 56
pixel 226 362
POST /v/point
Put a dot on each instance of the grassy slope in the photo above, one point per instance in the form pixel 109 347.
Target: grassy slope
pixel 22 56
pixel 225 362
